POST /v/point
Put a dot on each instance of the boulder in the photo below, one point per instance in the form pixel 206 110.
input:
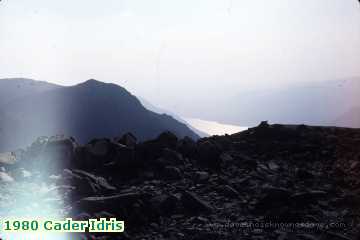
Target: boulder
pixel 167 139
pixel 153 149
pixel 171 173
pixel 100 153
pixel 115 204
pixel 128 140
pixel 193 204
pixel 171 157
pixel 273 197
pixel 308 197
pixel 230 192
pixel 99 148
pixel 164 204
pixel 86 184
pixel 304 174
pixel 208 154
pixel 187 147
pixel 202 176
pixel 58 153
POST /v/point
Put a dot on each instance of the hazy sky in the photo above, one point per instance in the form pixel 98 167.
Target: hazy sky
pixel 178 52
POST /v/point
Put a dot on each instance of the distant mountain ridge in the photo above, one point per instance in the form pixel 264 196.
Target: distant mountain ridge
pixel 318 103
pixel 156 109
pixel 349 118
pixel 92 109
pixel 13 88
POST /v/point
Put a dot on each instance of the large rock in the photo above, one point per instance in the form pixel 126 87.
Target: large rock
pixel 193 204
pixel 308 197
pixel 208 154
pixel 103 152
pixel 171 173
pixel 151 150
pixel 164 205
pixel 105 203
pixel 167 139
pixel 273 197
pixel 56 154
pixel 171 157
pixel 86 184
pixel 128 206
pixel 128 140
pixel 187 146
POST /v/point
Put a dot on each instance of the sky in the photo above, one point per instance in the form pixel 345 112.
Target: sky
pixel 177 53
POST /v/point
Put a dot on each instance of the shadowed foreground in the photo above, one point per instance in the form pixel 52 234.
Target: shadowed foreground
pixel 269 182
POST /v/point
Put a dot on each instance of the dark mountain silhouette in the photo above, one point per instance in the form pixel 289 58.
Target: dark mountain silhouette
pixel 89 110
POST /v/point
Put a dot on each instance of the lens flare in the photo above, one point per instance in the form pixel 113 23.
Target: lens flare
pixel 31 198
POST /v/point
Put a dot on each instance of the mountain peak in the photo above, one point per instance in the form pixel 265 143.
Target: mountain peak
pixel 91 109
pixel 92 82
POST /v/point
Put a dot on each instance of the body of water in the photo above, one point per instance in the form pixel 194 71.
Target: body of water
pixel 214 128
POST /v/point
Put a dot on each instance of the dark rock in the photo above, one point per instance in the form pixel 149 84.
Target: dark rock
pixel 172 173
pixel 167 140
pixel 250 164
pixel 99 181
pixel 208 154
pixel 82 217
pixel 152 150
pixel 111 203
pixel 201 176
pixel 230 192
pixel 128 140
pixel 86 184
pixel 226 159
pixel 336 236
pixel 304 198
pixel 164 205
pixel 57 153
pixel 172 158
pixel 273 166
pixel 273 197
pixel 194 204
pixel 104 214
pixel 99 154
pixel 99 147
pixel 304 174
pixel 169 189
pixel 306 237
pixel 187 146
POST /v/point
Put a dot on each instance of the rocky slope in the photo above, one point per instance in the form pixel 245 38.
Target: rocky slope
pixel 284 182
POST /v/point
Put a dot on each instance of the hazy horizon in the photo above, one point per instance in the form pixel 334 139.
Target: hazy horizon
pixel 180 53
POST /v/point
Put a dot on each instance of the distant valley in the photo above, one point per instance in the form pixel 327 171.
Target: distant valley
pixel 334 103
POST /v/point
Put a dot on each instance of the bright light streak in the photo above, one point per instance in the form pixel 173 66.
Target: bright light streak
pixel 31 199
